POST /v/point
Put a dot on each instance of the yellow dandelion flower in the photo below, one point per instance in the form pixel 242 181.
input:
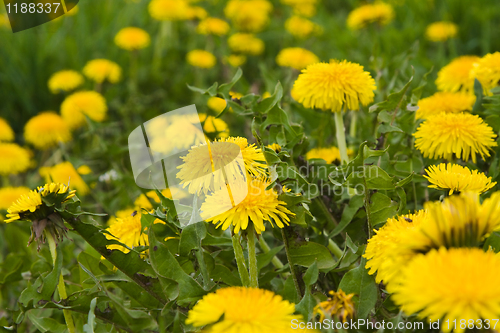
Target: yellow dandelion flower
pixel 25 203
pixel 15 159
pixel 259 205
pixel 243 310
pixel 246 43
pixel 333 86
pixel 213 26
pixel 444 102
pixel 169 10
pixel 460 134
pixel 235 95
pixel 248 15
pixel 455 284
pixel 296 57
pixel 196 12
pixel 459 221
pixel 274 146
pixel 339 305
pixel 379 12
pixel 384 252
pixel 8 195
pixel 100 70
pixel 201 59
pixel 29 206
pixel 252 155
pixel 46 130
pixel 66 80
pixel 84 170
pixel 236 60
pixel 128 231
pixel 196 171
pixel 6 132
pixel 441 31
pixel 65 173
pixel 487 71
pixel 216 104
pixel 306 8
pixel 330 155
pixel 456 178
pixel 301 27
pixel 457 76
pixel 123 213
pixel 132 38
pixel 213 125
pixel 83 103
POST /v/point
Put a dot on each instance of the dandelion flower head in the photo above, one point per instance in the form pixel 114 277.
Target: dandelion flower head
pixel 46 130
pixel 100 70
pixel 246 44
pixel 15 159
pixel 458 75
pixel 378 12
pixel 132 38
pixel 457 178
pixel 65 80
pixel 444 102
pixel 296 57
pixel 333 86
pixel 83 103
pixel 6 132
pixel 201 59
pixel 243 310
pixel 455 284
pixel 455 134
pixel 441 31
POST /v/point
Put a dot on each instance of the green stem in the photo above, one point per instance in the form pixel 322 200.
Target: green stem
pixel 290 263
pixel 240 260
pixel 60 286
pixel 367 206
pixel 340 132
pixel 265 247
pixel 165 31
pixel 133 71
pixel 352 127
pixel 335 249
pixel 252 257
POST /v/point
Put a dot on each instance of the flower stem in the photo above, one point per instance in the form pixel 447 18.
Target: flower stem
pixel 340 132
pixel 335 249
pixel 60 286
pixel 352 127
pixel 290 263
pixel 240 260
pixel 252 257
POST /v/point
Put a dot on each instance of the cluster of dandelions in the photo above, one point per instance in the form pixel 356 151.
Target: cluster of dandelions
pixel 433 262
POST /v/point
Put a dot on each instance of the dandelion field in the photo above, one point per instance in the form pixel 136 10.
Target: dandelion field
pixel 367 196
